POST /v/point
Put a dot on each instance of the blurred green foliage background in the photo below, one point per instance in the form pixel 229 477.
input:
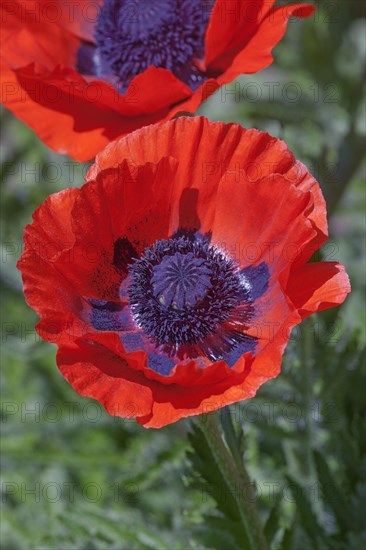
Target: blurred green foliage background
pixel 75 478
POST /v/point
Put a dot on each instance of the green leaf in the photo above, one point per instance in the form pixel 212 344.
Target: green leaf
pixel 218 533
pixel 332 495
pixel 232 439
pixel 288 538
pixel 309 521
pixel 272 525
pixel 217 488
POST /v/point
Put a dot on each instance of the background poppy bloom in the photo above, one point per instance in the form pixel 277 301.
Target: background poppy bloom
pixel 81 75
pixel 172 279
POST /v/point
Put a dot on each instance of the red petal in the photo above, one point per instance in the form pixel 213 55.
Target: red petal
pixel 87 115
pixel 191 104
pixel 47 238
pixel 95 368
pixel 268 221
pixel 94 371
pixel 185 374
pixel 69 247
pixel 30 33
pixel 199 145
pixel 72 114
pixel 244 187
pixel 173 403
pixel 253 46
pixel 223 161
pixel 232 24
pixel 79 17
pixel 190 390
pixel 168 410
pixel 317 286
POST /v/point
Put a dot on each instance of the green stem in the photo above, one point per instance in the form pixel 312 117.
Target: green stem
pixel 306 355
pixel 236 479
pixel 230 436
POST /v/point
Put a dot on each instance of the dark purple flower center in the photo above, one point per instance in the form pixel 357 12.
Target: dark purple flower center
pixel 132 35
pixel 187 298
pixel 182 289
pixel 181 280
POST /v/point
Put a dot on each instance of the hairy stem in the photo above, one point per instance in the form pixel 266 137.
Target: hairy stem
pixel 238 481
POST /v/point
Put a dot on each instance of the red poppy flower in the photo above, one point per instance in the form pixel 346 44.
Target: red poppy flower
pixel 80 76
pixel 172 279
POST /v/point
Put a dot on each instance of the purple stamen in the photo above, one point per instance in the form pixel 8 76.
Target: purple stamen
pixel 131 36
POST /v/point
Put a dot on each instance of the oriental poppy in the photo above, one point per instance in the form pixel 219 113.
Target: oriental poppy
pixel 83 73
pixel 172 279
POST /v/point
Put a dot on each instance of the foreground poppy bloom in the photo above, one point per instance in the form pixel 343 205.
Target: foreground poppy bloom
pixel 172 279
pixel 82 73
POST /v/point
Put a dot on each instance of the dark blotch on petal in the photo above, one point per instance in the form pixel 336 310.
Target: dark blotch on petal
pixel 258 278
pixel 188 215
pixel 160 363
pixel 134 340
pixel 85 59
pixel 244 343
pixel 109 316
pixel 124 253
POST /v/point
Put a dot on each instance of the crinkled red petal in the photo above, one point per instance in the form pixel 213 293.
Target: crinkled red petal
pixel 317 286
pixel 95 371
pixel 249 47
pixel 239 40
pixel 182 174
pixel 69 247
pixel 186 373
pixel 225 160
pixel 94 368
pixel 30 33
pixel 40 86
pixel 87 114
pixel 231 25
